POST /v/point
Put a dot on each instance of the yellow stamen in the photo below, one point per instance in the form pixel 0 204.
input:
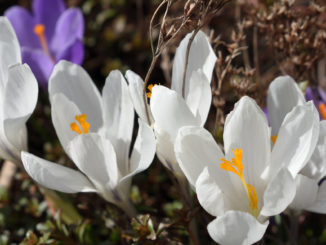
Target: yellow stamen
pixel 274 138
pixel 149 87
pixel 84 125
pixel 39 30
pixel 236 167
pixel 322 109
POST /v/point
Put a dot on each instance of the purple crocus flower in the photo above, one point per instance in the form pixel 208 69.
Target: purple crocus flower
pixel 318 96
pixel 49 34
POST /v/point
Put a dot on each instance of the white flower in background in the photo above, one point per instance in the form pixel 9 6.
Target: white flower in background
pixel 283 95
pixel 96 133
pixel 250 182
pixel 18 93
pixel 168 109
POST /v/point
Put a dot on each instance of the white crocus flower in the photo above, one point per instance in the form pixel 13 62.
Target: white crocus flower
pixel 18 91
pixel 283 95
pixel 168 109
pixel 250 182
pixel 96 133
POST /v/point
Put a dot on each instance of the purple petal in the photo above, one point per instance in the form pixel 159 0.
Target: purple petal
pixel 40 64
pixel 47 13
pixel 312 94
pixel 73 53
pixel 266 114
pixel 23 23
pixel 69 28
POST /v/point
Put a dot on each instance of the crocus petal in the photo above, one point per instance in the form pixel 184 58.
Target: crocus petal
pixel 94 155
pixel 143 152
pixel 279 193
pixel 118 117
pixel 55 176
pixel 74 82
pixel 136 89
pixel 195 148
pixel 40 64
pixel 168 106
pixel 306 192
pixel 246 128
pixel 20 97
pixel 69 28
pixel 319 205
pixel 236 227
pixel 63 112
pixel 316 167
pixel 199 96
pixel 296 140
pixel 201 56
pixel 73 53
pixel 165 151
pixel 47 13
pixel 283 95
pixel 23 23
pixel 9 50
pixel 209 194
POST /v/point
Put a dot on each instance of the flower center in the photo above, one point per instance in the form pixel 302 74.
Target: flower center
pixel 39 31
pixel 83 124
pixel 322 109
pixel 236 167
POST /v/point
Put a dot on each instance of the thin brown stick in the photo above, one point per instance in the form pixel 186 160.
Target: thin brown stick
pixel 256 56
pixel 245 55
pixel 145 86
pixel 8 171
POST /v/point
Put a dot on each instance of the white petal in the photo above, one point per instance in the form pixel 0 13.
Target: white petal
pixel 296 140
pixel 9 50
pixel 201 56
pixel 319 205
pixel 236 227
pixel 94 155
pixel 195 149
pixel 316 167
pixel 20 98
pixel 63 112
pixel 165 150
pixel 136 87
pixel 55 176
pixel 74 82
pixel 306 192
pixel 143 151
pixel 279 193
pixel 209 194
pixel 246 128
pixel 170 111
pixel 199 96
pixel 283 95
pixel 118 117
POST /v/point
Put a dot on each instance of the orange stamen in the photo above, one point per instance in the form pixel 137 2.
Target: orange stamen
pixel 84 125
pixel 274 138
pixel 39 30
pixel 236 167
pixel 149 87
pixel 322 109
